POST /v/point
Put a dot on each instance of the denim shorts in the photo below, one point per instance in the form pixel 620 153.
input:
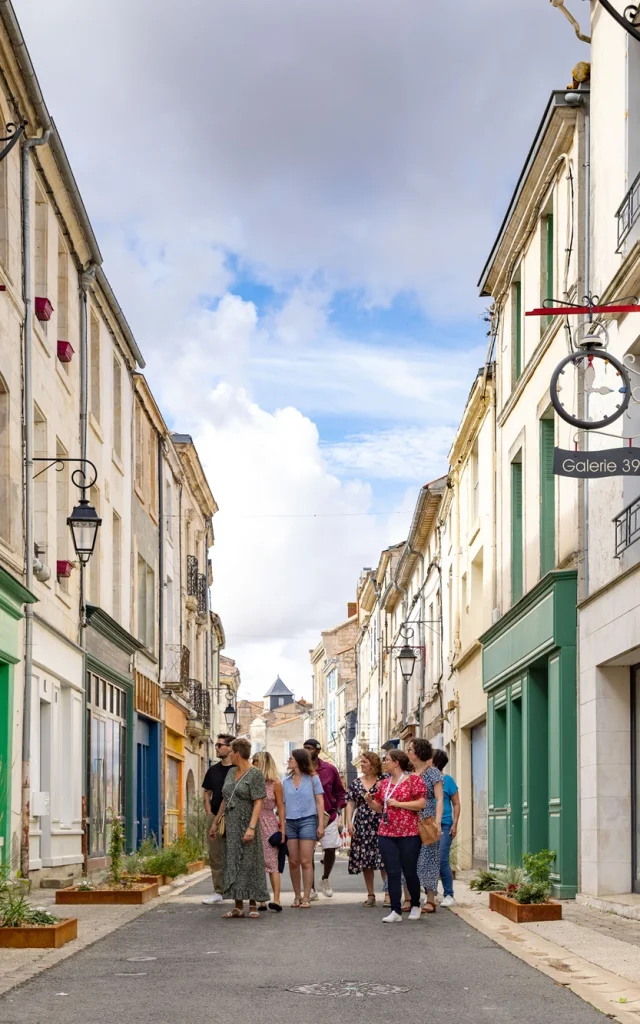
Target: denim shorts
pixel 303 828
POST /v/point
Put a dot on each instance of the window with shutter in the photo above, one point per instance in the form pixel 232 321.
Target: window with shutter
pixel 516 312
pixel 516 532
pixel 547 498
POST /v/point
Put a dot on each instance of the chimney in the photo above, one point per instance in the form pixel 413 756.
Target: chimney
pixel 352 609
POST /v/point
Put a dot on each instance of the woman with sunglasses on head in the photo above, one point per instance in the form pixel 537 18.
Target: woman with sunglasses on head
pixel 304 814
pixel 399 798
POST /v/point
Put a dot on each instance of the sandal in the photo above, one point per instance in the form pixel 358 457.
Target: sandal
pixel 263 906
pixel 255 914
pixel 233 913
pixel 406 907
pixel 276 907
pixel 370 901
pixel 296 903
pixel 305 905
pixel 429 908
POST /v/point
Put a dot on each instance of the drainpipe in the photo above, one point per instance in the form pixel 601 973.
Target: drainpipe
pixel 27 288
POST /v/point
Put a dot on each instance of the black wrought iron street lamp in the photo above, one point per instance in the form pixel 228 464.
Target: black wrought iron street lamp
pixel 84 522
pixel 407 662
pixel 230 712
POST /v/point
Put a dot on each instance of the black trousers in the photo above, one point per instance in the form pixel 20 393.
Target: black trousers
pixel 400 855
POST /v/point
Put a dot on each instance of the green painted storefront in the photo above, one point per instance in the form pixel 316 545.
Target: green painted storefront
pixel 529 675
pixel 12 598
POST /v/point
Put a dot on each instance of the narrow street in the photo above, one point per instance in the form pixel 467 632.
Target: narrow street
pixel 182 962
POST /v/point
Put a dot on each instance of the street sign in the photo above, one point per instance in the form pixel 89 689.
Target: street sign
pixel 612 462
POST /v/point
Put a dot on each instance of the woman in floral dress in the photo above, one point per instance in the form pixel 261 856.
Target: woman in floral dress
pixel 420 753
pixel 272 804
pixel 362 825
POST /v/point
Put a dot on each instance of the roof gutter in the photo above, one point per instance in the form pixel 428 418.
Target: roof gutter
pixel 34 92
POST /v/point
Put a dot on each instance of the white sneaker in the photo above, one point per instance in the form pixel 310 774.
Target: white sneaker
pixel 314 896
pixel 210 900
pixel 448 901
pixel 325 887
pixel 415 914
pixel 392 918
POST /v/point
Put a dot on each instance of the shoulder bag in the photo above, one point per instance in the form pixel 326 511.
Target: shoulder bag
pixel 428 830
pixel 221 823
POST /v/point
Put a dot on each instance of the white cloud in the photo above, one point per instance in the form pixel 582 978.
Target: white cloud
pixel 407 453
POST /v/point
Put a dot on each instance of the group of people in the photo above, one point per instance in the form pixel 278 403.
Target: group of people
pixel 401 815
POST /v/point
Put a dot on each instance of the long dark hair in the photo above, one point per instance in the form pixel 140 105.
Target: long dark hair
pixel 303 761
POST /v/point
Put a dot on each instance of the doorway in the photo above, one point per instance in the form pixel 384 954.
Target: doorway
pixel 479 801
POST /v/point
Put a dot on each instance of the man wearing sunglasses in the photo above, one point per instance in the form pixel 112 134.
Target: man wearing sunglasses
pixel 212 798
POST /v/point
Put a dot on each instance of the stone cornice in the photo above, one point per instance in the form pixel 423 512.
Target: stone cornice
pixel 112 630
pixel 13 595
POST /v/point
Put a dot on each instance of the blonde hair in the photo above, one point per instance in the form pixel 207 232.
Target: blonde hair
pixel 265 762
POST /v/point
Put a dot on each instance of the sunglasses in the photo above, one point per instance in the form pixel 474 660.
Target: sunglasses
pixel 222 744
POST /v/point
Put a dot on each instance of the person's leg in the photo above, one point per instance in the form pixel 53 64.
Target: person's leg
pixel 391 858
pixel 294 865
pixel 275 885
pixel 369 879
pixel 216 861
pixel 445 868
pixel 409 850
pixel 307 847
pixel 329 861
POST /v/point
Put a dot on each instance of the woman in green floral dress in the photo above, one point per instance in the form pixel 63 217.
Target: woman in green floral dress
pixel 242 795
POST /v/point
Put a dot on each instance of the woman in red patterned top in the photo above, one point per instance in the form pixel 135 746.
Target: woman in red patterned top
pixel 400 798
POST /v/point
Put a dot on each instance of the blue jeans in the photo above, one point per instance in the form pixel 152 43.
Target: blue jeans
pixel 303 828
pixel 400 856
pixel 446 874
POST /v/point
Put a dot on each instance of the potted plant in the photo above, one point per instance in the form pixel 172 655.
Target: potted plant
pixel 526 897
pixel 118 887
pixel 23 926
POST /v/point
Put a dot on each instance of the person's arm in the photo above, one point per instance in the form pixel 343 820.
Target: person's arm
pixel 455 805
pixel 351 804
pixel 438 792
pixel 320 808
pixel 373 803
pixel 279 795
pixel 206 800
pixel 416 803
pixel 216 821
pixel 253 824
pixel 338 791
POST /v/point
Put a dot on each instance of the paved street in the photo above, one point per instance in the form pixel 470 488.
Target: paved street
pixel 203 969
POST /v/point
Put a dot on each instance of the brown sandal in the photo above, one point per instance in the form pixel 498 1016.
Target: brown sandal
pixel 429 908
pixel 233 913
pixel 305 905
pixel 406 906
pixel 370 901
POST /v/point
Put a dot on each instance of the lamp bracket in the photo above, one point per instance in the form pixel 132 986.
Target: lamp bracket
pixel 628 20
pixel 82 478
pixel 14 131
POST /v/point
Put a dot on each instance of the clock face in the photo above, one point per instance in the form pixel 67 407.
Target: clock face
pixel 601 380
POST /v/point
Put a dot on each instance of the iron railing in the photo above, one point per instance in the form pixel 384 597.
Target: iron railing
pixel 192 576
pixel 177 664
pixel 627 525
pixel 203 593
pixel 628 211
pixel 200 701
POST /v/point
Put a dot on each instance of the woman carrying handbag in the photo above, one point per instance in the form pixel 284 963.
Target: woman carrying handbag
pixel 420 754
pixel 400 797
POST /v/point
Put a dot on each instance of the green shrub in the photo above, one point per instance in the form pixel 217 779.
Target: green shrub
pixel 16 910
pixel 170 862
pixel 485 881
pixel 536 887
pixel 116 849
pixel 532 892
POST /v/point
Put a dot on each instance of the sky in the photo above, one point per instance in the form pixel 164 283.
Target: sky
pixel 295 200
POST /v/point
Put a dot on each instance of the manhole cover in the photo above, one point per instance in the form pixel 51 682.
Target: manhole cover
pixel 342 989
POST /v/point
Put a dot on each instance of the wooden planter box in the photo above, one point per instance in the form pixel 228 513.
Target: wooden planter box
pixel 100 897
pixel 43 936
pixel 195 865
pixel 524 913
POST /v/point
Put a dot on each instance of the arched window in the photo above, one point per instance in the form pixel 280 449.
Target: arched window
pixel 5 468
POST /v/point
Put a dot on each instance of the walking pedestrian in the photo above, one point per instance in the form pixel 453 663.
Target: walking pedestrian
pixel 212 798
pixel 272 829
pixel 304 819
pixel 335 799
pixel 400 798
pixel 450 819
pixel 420 755
pixel 362 824
pixel 242 797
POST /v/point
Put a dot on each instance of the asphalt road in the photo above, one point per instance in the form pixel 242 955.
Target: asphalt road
pixel 181 962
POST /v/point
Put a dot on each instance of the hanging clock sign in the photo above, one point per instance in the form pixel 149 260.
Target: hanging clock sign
pixel 591 465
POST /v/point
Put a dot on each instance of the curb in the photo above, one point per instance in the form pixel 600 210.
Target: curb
pixel 594 985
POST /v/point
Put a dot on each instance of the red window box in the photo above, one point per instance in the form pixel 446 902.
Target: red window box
pixel 63 569
pixel 65 351
pixel 44 309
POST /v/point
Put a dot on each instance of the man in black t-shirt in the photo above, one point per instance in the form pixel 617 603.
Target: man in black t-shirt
pixel 212 798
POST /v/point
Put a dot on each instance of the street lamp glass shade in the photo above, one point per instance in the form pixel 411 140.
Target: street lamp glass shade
pixel 230 716
pixel 84 523
pixel 407 659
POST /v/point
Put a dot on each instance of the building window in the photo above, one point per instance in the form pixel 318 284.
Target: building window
pixel 62 510
pixel 4 210
pixel 62 303
pixel 40 484
pixel 41 244
pixel 117 407
pixel 517 581
pixel 169 610
pixel 547 498
pixel 5 462
pixel 280 702
pixel 547 246
pixel 94 366
pixel 152 455
pixel 475 485
pixel 117 567
pixel 139 440
pixel 168 509
pixel 146 603
pixel 332 686
pixel 516 331
pixel 94 561
pixel 107 740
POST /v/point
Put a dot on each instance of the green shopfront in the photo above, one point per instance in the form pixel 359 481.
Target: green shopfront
pixel 12 598
pixel 529 675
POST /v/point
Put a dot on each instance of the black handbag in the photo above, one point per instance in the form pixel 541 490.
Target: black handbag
pixel 275 839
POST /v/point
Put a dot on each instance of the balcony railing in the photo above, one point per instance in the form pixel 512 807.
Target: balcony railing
pixel 203 593
pixel 628 212
pixel 627 525
pixel 192 576
pixel 177 664
pixel 200 701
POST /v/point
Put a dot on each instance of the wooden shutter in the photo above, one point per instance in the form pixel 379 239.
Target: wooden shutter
pixel 547 499
pixel 516 531
pixel 517 330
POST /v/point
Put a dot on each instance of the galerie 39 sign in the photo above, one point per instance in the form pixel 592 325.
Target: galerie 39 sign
pixel 615 462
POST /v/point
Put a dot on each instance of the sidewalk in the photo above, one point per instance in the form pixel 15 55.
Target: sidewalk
pixel 18 965
pixel 594 954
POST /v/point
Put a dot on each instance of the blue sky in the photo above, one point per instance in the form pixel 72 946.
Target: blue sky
pixel 294 202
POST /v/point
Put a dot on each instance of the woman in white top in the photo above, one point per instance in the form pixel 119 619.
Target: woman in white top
pixel 304 815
